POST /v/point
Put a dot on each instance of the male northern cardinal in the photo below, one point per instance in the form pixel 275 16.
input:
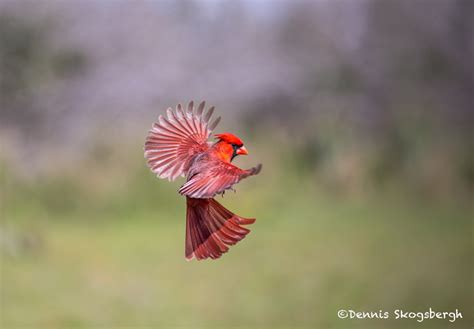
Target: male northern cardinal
pixel 178 146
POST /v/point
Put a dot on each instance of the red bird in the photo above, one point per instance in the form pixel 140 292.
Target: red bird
pixel 177 145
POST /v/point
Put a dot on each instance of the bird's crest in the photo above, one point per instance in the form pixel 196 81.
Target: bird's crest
pixel 229 138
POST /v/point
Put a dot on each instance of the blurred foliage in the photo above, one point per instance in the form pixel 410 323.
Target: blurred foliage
pixel 360 111
pixel 20 57
pixel 29 64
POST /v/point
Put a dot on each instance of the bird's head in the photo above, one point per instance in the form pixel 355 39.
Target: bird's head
pixel 230 145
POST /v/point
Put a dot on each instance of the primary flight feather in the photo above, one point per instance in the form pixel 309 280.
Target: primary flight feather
pixel 177 145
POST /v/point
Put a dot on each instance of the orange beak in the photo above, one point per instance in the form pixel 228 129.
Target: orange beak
pixel 242 151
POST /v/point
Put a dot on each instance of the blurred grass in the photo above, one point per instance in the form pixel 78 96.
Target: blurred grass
pixel 105 247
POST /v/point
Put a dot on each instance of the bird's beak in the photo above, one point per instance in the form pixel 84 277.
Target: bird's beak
pixel 242 151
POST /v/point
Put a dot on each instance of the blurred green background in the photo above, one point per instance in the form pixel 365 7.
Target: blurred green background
pixel 360 111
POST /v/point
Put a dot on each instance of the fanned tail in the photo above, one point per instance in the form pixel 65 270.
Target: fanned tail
pixel 211 229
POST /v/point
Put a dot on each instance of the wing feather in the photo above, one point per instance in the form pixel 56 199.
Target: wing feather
pixel 214 123
pixel 217 177
pixel 208 115
pixel 200 109
pixel 176 138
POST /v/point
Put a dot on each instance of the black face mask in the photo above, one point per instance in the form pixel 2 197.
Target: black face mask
pixel 236 148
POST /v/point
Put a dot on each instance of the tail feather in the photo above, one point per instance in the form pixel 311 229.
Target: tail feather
pixel 211 229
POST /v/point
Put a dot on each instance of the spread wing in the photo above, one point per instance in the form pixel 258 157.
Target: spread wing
pixel 215 179
pixel 174 140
